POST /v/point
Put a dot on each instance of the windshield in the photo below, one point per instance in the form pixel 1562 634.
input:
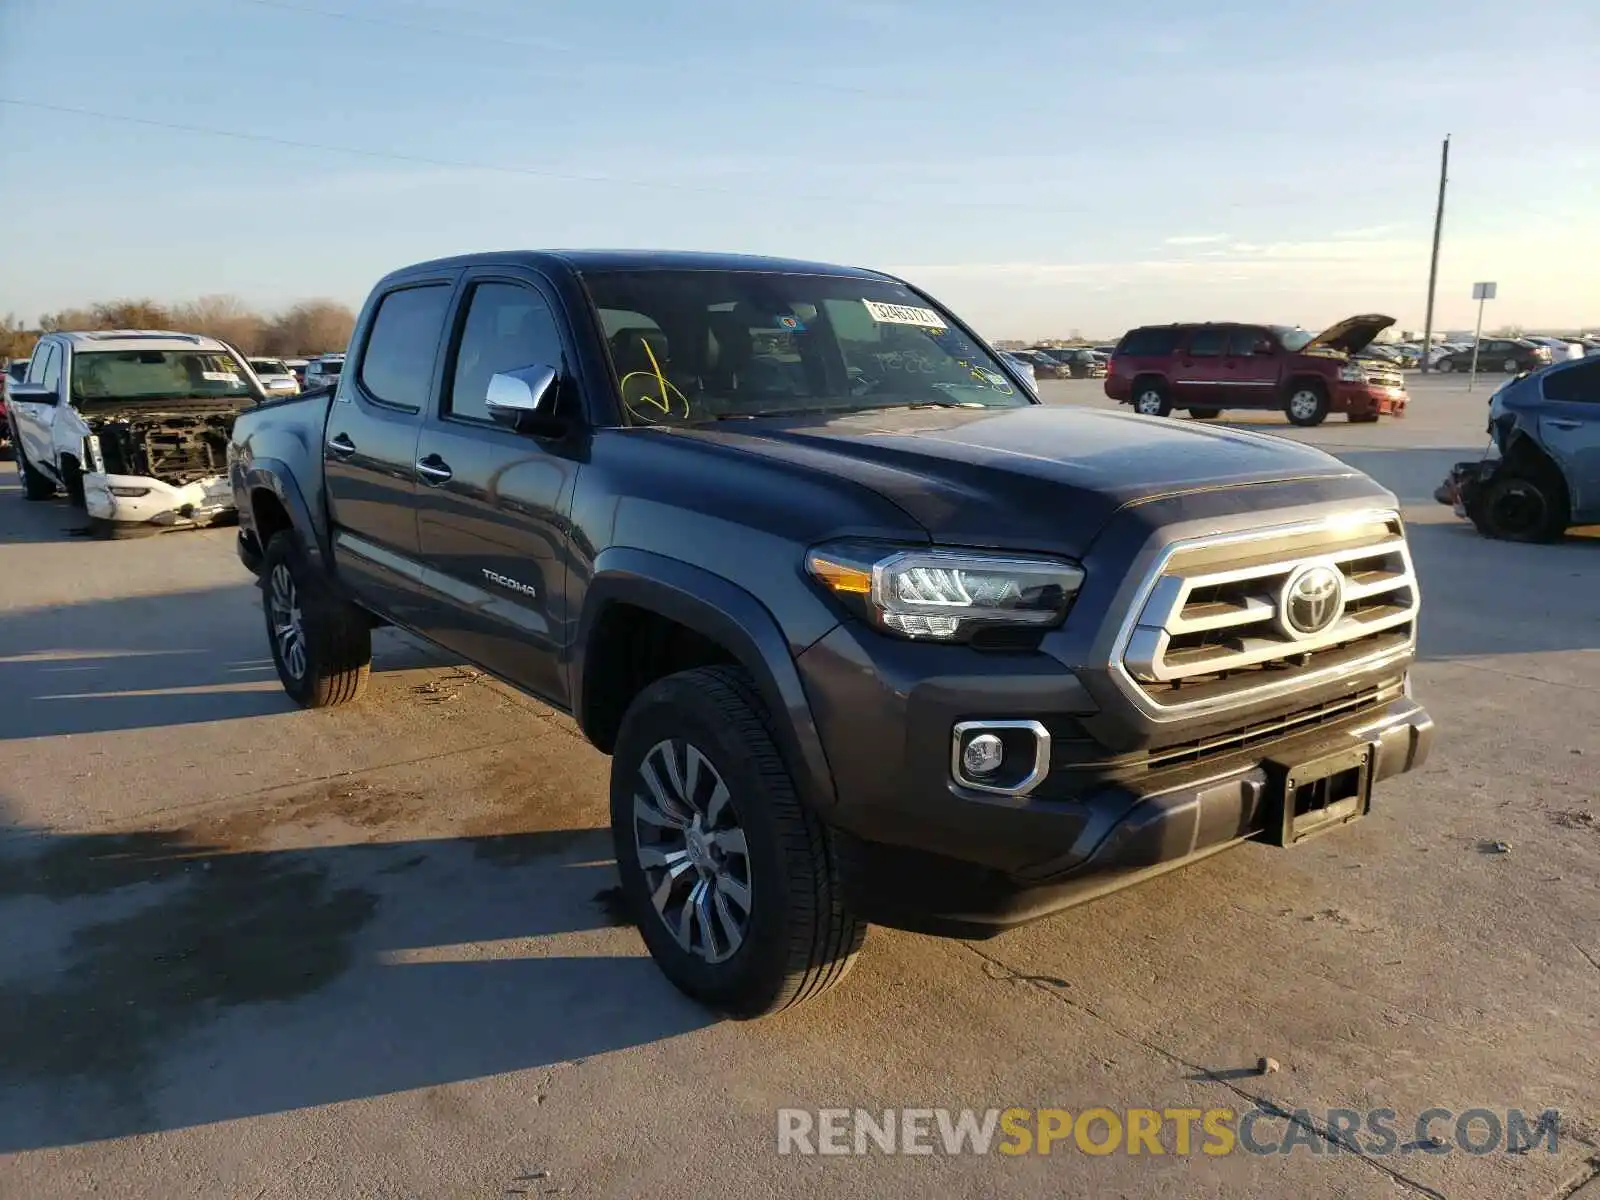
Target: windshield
pixel 268 366
pixel 112 375
pixel 1292 337
pixel 693 346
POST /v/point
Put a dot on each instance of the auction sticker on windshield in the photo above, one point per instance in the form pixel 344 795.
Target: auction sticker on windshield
pixel 903 314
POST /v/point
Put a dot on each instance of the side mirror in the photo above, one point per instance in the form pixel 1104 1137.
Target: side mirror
pixel 33 393
pixel 525 399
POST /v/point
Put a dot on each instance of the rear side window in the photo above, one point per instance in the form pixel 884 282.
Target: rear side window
pixel 1156 340
pixel 1204 343
pixel 1579 383
pixel 397 364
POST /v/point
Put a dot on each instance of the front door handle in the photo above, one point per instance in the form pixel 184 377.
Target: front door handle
pixel 1564 423
pixel 341 446
pixel 433 469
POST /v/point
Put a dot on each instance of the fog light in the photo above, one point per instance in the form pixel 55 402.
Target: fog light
pixel 983 755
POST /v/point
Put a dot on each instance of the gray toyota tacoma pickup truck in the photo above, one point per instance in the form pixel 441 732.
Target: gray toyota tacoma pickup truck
pixel 869 633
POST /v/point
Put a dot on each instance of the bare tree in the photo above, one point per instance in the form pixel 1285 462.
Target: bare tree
pixel 224 317
pixel 311 327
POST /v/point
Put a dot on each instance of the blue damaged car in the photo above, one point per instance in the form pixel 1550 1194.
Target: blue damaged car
pixel 1541 473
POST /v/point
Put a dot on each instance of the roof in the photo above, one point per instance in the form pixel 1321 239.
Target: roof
pixel 646 260
pixel 139 339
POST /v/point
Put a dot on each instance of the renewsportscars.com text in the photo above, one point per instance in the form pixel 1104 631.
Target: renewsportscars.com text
pixel 1151 1131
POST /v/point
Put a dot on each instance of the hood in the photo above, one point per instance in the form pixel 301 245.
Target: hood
pixel 1043 477
pixel 1351 335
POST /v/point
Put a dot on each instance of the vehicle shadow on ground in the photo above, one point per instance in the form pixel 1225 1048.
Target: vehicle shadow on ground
pixel 95 666
pixel 160 980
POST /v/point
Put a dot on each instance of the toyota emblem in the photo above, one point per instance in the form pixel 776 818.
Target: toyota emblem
pixel 1312 600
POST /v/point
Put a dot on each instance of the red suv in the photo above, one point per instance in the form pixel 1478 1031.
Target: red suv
pixel 1207 368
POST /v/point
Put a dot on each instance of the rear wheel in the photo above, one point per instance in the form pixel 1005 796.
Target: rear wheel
pixel 1520 508
pixel 321 643
pixel 1511 366
pixel 736 885
pixel 1205 414
pixel 1307 404
pixel 1150 399
pixel 35 484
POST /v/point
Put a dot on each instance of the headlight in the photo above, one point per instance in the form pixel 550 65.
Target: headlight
pixel 945 595
pixel 1353 372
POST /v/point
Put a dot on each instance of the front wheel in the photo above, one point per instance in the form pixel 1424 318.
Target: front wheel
pixel 1307 405
pixel 1150 399
pixel 1511 366
pixel 1520 508
pixel 321 643
pixel 36 485
pixel 736 885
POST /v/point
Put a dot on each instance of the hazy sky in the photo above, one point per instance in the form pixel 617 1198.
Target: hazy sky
pixel 1035 166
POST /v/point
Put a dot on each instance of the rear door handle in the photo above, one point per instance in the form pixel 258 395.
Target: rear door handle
pixel 433 469
pixel 341 446
pixel 1563 423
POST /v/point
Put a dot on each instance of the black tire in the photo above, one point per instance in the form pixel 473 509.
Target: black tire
pixel 333 636
pixel 35 484
pixel 1306 404
pixel 1150 398
pixel 799 934
pixel 1511 366
pixel 72 482
pixel 1520 508
pixel 1445 365
pixel 1205 414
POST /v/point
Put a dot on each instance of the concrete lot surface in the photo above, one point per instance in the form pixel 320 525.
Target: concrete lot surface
pixel 374 952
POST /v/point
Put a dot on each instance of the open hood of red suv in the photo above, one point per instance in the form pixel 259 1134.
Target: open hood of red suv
pixel 1353 334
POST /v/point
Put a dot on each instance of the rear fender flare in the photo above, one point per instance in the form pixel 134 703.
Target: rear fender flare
pixel 273 476
pixel 734 619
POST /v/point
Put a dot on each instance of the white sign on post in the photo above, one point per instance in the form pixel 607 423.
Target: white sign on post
pixel 1480 293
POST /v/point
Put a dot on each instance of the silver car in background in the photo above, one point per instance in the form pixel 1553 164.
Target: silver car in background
pixel 275 376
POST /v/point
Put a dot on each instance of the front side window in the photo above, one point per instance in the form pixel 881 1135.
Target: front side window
pixel 1245 342
pixel 397 364
pixel 690 346
pixel 508 327
pixel 1579 383
pixel 1292 337
pixel 113 376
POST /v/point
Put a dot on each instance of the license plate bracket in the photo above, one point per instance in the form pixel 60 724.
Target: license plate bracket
pixel 1310 797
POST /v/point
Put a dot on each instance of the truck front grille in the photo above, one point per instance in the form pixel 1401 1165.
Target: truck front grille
pixel 1229 616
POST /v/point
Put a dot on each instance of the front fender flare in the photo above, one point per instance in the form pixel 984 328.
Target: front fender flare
pixel 734 619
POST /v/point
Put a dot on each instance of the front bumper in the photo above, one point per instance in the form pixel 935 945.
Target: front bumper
pixel 1366 399
pixel 928 853
pixel 159 505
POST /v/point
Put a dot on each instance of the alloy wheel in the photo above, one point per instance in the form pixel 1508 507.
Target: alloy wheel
pixel 288 624
pixel 1303 404
pixel 692 851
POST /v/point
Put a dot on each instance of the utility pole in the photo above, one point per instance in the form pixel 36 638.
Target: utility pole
pixel 1433 269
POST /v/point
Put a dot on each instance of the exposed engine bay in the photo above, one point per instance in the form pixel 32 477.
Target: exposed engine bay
pixel 173 447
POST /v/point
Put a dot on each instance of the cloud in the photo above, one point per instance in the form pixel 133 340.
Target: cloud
pixel 1195 239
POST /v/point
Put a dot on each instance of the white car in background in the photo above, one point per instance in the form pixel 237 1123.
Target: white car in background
pixel 132 425
pixel 277 379
pixel 323 371
pixel 1561 349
